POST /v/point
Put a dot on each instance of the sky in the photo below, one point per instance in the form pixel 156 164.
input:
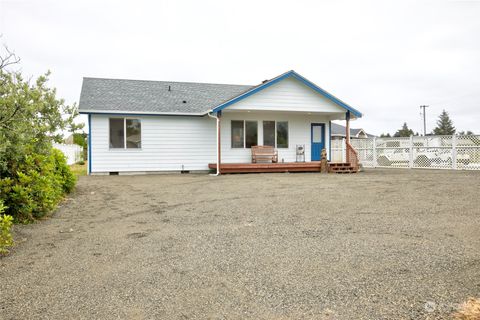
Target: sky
pixel 384 58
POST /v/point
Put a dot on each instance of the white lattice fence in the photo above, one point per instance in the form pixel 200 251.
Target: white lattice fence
pixel 433 152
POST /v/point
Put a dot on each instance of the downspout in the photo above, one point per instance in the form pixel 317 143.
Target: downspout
pixel 211 115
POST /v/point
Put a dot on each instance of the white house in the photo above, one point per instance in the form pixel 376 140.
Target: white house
pixel 150 126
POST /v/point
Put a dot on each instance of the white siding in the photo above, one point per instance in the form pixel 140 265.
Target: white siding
pixel 287 95
pixel 168 142
pixel 298 133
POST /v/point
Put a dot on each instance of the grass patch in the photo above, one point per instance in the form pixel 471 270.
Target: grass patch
pixel 79 169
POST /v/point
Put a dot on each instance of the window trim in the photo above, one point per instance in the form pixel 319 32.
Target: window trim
pixel 125 134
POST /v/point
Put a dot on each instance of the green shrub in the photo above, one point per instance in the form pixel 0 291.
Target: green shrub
pixel 6 222
pixel 37 186
pixel 67 178
pixel 81 162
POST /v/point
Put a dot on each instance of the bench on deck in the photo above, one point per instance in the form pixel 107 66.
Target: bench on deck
pixel 264 153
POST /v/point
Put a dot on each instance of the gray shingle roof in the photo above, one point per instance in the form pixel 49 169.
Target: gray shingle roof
pixel 119 95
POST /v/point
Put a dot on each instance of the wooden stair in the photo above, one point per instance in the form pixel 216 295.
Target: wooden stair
pixel 341 167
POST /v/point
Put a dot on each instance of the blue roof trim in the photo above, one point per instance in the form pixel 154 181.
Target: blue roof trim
pixel 281 77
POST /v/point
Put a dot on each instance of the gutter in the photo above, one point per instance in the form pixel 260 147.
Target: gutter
pixel 210 114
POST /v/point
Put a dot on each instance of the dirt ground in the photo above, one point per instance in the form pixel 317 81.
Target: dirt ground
pixel 382 244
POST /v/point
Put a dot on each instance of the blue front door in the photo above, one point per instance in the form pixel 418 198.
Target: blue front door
pixel 318 140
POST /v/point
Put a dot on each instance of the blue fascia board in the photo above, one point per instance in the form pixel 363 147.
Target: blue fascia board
pixel 295 75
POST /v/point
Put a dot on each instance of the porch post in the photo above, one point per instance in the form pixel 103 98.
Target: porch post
pixel 347 133
pixel 347 127
pixel 219 145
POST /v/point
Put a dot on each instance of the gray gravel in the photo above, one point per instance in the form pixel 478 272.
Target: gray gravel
pixel 382 244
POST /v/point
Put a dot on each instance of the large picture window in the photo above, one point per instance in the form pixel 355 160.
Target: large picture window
pixel 125 133
pixel 275 134
pixel 244 133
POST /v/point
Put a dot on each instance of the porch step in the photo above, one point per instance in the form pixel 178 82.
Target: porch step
pixel 341 167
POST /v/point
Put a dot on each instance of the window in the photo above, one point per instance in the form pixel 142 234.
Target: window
pixel 275 134
pixel 282 134
pixel 269 133
pixel 117 133
pixel 244 134
pixel 251 133
pixel 237 134
pixel 125 133
pixel 134 139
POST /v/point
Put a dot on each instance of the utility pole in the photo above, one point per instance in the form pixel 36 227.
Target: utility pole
pixel 424 120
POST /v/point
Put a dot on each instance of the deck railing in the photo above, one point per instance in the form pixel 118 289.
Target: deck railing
pixel 352 156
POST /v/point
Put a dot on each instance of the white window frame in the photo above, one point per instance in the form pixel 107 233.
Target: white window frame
pixel 125 133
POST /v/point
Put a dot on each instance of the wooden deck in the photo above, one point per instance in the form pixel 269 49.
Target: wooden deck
pixel 267 167
pixel 313 166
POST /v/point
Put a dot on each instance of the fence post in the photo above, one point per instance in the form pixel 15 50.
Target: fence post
pixel 410 153
pixel 454 152
pixel 374 152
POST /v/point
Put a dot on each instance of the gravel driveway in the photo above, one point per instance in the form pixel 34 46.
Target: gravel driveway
pixel 382 244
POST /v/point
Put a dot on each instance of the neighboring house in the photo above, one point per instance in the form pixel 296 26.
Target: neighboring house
pixel 339 132
pixel 148 126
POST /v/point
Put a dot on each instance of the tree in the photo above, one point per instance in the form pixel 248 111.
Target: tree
pixel 33 175
pixel 444 125
pixel 404 131
pixel 463 133
pixel 80 138
pixel 385 135
pixel 31 117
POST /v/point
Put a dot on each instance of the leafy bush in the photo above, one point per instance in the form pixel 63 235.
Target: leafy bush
pixel 37 186
pixel 81 162
pixel 6 239
pixel 33 176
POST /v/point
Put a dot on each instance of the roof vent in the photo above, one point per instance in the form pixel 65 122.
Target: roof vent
pixel 265 81
pixel 169 88
pixel 184 101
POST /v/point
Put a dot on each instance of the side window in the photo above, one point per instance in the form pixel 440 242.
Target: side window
pixel 117 133
pixel 134 133
pixel 125 133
